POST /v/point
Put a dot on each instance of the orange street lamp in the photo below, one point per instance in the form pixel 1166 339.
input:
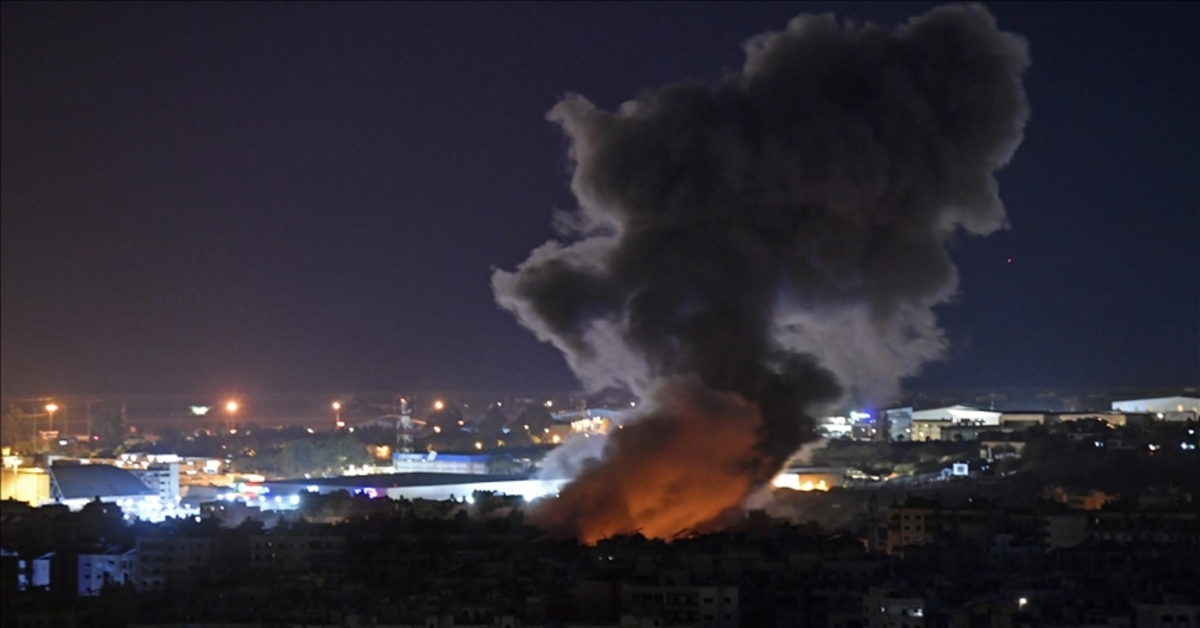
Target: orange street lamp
pixel 337 414
pixel 51 408
pixel 231 407
pixel 438 405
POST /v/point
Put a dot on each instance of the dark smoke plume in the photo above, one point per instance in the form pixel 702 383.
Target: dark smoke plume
pixel 745 253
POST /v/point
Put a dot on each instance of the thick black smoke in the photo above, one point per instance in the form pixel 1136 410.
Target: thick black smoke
pixel 784 231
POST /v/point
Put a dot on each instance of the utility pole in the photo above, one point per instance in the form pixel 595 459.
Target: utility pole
pixel 404 428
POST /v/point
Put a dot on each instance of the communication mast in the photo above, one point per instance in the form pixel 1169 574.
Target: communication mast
pixel 404 428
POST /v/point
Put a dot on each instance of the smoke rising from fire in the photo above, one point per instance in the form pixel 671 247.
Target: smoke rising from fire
pixel 747 252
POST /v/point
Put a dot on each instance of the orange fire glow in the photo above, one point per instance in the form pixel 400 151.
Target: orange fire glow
pixel 682 466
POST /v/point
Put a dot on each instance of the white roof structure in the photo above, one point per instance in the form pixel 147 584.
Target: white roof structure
pixel 958 414
pixel 1171 408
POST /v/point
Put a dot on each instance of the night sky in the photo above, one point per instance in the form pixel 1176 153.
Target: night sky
pixel 300 198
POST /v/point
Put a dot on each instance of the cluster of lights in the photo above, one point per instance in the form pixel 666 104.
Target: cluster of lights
pixel 792 481
pixel 337 415
pixel 257 495
pixel 151 508
pixel 594 424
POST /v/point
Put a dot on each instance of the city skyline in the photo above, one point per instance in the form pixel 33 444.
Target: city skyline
pixel 854 315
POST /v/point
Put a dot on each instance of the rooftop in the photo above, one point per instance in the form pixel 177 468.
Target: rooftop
pixel 85 481
pixel 389 480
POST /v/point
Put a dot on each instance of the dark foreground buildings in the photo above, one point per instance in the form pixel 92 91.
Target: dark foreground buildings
pixel 915 563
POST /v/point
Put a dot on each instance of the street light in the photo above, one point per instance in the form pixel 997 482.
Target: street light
pixel 337 414
pixel 231 407
pixel 438 405
pixel 51 408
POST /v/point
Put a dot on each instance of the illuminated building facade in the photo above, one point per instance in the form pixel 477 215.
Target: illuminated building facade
pixel 809 478
pixel 435 462
pixel 1164 408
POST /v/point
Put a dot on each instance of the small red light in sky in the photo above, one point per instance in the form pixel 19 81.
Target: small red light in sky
pixel 1010 260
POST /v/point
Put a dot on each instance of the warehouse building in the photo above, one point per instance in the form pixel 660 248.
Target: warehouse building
pixel 1165 408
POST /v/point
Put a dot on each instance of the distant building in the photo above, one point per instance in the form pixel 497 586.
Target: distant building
pixel 690 605
pixel 1065 529
pixel 162 478
pixel 809 478
pixel 963 432
pixel 589 421
pixel 77 484
pixel 835 427
pixel 432 486
pixel 1115 419
pixel 894 608
pixel 899 424
pixel 952 423
pixel 170 560
pixel 1165 408
pixel 959 415
pixel 922 522
pixel 928 430
pixel 1021 420
pixel 435 462
pixel 27 484
pixel 97 570
pixel 1077 500
pixel 299 554
pixel 861 426
pixel 1168 615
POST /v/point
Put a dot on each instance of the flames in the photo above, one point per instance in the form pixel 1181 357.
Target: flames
pixel 802 482
pixel 677 468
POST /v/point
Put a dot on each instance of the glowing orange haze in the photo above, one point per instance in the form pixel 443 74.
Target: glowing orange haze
pixel 691 459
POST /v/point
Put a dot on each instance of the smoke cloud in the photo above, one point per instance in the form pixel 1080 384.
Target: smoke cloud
pixel 746 253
